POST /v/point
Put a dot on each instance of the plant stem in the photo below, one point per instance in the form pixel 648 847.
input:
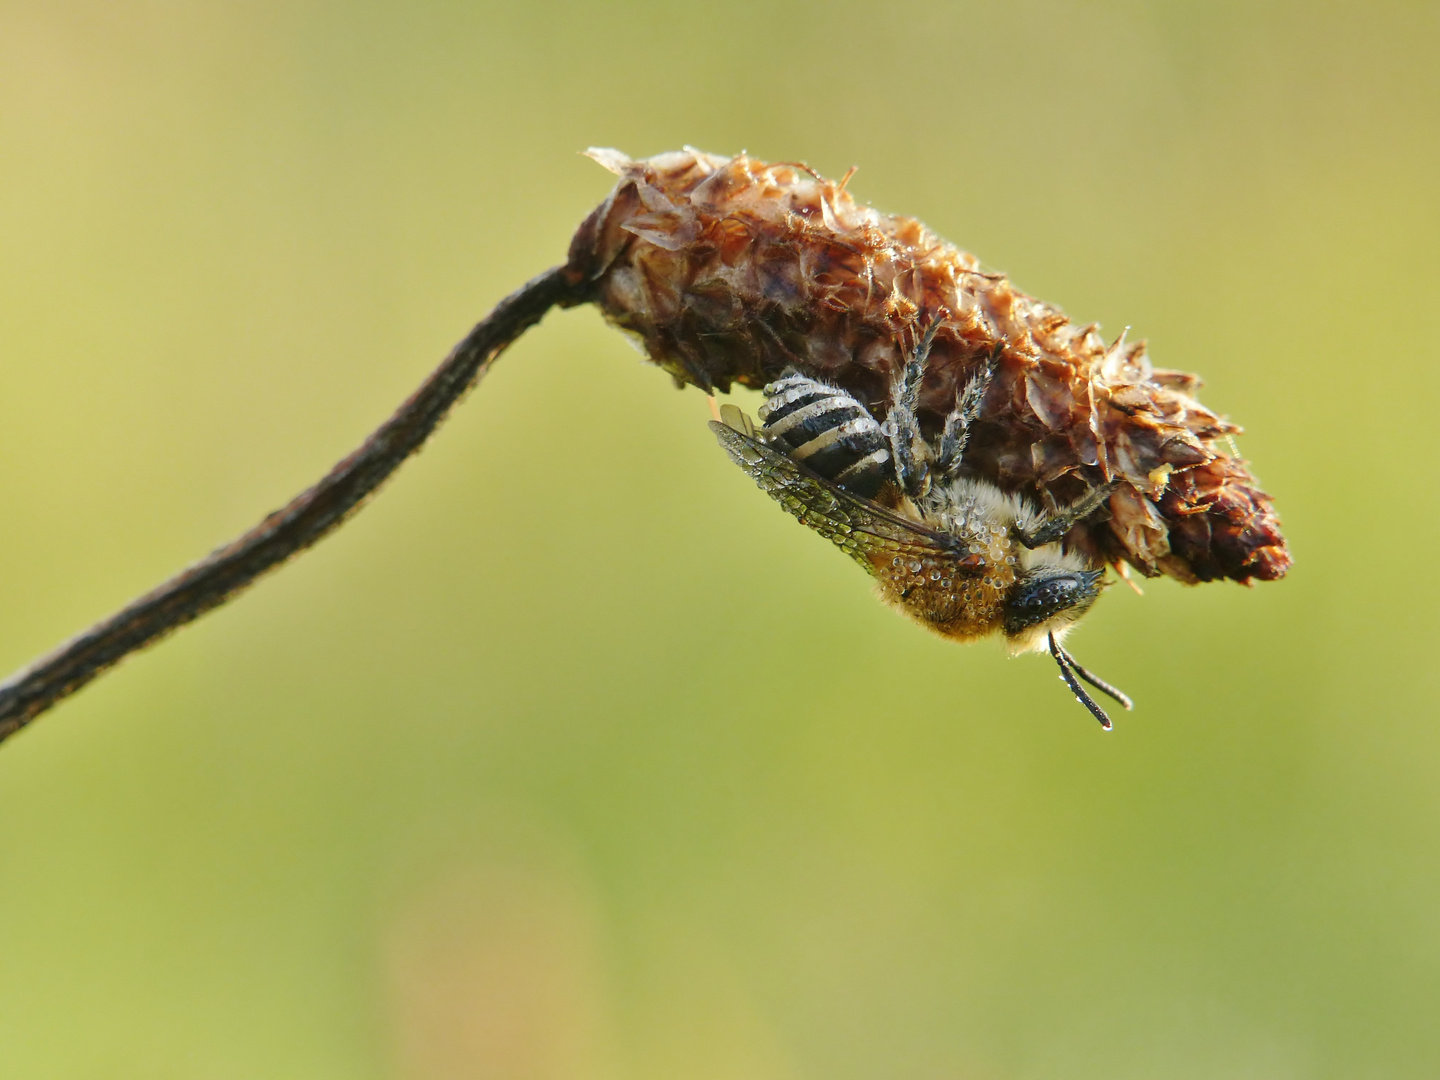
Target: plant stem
pixel 229 570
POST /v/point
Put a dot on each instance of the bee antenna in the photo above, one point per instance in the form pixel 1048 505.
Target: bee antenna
pixel 1068 668
pixel 1095 680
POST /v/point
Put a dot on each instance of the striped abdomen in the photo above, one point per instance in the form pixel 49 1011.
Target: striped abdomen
pixel 828 431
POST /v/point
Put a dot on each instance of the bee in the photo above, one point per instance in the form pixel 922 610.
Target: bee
pixel 949 549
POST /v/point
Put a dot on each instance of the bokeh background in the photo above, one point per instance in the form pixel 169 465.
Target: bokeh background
pixel 572 756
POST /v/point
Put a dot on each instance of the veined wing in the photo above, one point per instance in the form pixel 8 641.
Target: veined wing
pixel 869 533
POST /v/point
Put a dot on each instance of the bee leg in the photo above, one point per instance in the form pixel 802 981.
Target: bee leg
pixel 1058 524
pixel 908 448
pixel 956 435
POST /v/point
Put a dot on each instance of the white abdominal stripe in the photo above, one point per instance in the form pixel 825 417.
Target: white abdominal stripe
pixel 828 431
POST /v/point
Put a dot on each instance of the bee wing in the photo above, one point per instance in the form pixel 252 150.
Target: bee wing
pixel 869 533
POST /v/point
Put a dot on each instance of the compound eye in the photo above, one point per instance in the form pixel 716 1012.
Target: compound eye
pixel 1038 599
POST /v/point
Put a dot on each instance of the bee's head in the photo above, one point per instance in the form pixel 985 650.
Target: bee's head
pixel 1047 599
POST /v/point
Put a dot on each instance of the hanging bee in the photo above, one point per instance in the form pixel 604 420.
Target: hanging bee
pixel 920 411
pixel 949 549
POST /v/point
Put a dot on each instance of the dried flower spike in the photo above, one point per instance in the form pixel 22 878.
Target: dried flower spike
pixel 731 271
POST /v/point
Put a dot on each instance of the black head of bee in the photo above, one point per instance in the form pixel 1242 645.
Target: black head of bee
pixel 1047 592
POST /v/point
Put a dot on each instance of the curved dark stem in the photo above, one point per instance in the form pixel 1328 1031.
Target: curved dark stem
pixel 309 516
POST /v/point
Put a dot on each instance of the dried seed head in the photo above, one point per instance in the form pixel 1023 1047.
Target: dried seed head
pixel 730 270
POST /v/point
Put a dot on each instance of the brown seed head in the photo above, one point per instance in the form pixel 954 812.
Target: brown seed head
pixel 729 270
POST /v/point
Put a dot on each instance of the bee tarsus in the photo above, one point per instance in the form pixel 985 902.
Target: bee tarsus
pixel 911 452
pixel 956 434
pixel 1058 524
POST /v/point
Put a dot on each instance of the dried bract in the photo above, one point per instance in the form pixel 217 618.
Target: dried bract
pixel 730 271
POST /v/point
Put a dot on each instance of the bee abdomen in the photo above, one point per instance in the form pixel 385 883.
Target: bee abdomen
pixel 828 431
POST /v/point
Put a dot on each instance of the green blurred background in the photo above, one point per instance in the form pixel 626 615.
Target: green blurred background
pixel 572 756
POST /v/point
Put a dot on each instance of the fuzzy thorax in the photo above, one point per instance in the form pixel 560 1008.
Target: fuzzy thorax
pixel 963 603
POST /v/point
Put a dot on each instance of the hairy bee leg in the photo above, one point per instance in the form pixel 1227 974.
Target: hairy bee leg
pixel 908 448
pixel 956 435
pixel 1062 658
pixel 1095 680
pixel 1058 524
